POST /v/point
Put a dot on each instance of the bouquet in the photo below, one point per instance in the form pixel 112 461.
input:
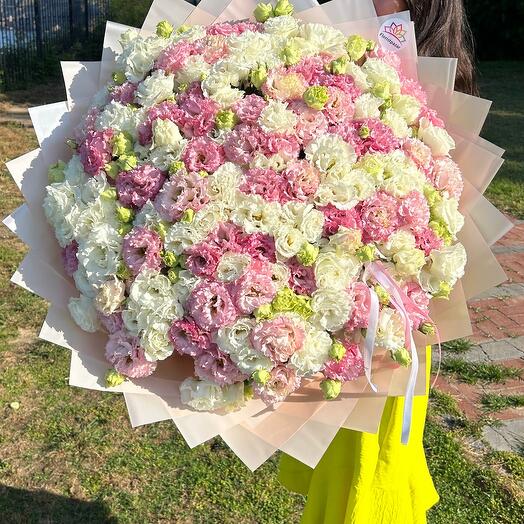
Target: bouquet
pixel 255 217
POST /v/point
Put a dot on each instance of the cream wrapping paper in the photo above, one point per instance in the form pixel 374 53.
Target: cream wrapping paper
pixel 302 426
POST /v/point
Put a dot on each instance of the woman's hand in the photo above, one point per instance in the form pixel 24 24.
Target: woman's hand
pixel 386 7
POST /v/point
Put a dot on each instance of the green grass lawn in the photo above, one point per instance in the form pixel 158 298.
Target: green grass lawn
pixel 69 455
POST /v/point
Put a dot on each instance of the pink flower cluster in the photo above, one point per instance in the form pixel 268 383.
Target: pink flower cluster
pixel 96 151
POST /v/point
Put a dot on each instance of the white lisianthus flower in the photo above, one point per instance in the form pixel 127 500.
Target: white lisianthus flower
pixel 288 241
pixel 390 330
pixel 207 219
pixel 120 118
pixel 401 175
pixel 110 296
pixel 314 353
pixel 336 192
pixel 61 210
pixel 155 341
pixel 359 77
pixel 378 71
pixel 231 266
pixel 195 68
pixel 277 162
pixel 283 27
pixel 345 241
pixel 409 262
pixel 82 283
pixel 407 106
pixel 280 274
pixel 331 308
pixel 336 271
pixel 166 134
pixel 254 214
pixel 84 313
pixel 436 138
pixel 202 395
pixel 163 157
pixel 184 285
pixel 323 38
pixel 446 265
pixel 308 220
pixel 74 172
pixel 397 123
pixel 276 118
pixel 148 217
pixel 139 55
pixel 155 89
pixel 223 183
pixel 447 211
pixel 367 106
pixel 398 241
pixel 330 153
pixel 92 189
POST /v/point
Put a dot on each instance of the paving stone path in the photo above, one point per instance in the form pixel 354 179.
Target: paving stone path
pixel 497 318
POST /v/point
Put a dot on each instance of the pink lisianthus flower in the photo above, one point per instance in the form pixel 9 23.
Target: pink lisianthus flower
pixel 137 186
pixel 249 108
pixel 301 180
pixel 165 111
pixel 343 82
pixel 264 182
pixel 253 289
pixel 69 258
pixel 369 135
pixel 112 323
pixel 334 218
pixel 173 58
pixel 96 151
pixel 282 383
pixel 310 122
pixel 124 94
pixel 216 366
pixel 88 124
pixel 286 146
pixel 420 299
pixel 124 352
pixel 211 306
pixel 361 297
pixel 258 246
pixel 233 28
pixel 339 106
pixel 380 218
pixel 301 278
pixel 284 85
pixel 242 143
pixel 141 250
pixel 432 116
pixel 203 154
pixel 202 259
pixel 180 193
pixel 187 338
pixel 388 57
pixel 427 240
pixel 420 153
pixel 414 210
pixel 310 68
pixel 413 88
pixel 349 368
pixel 196 114
pixel 446 176
pixel 227 237
pixel 278 338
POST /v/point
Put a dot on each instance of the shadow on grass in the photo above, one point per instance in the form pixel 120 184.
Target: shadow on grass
pixel 20 506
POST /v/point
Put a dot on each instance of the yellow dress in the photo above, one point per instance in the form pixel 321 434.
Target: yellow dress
pixel 365 478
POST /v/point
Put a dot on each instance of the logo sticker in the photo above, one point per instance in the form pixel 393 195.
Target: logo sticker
pixel 392 34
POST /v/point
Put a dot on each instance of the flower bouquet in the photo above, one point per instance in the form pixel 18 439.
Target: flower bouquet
pixel 259 212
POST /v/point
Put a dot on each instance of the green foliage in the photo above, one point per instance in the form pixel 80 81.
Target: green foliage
pixel 512 463
pixel 129 13
pixel 494 402
pixel 459 345
pixel 473 372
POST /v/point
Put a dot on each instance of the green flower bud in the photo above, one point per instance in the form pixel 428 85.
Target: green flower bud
pixel 124 214
pixel 226 119
pixel 261 376
pixel 119 77
pixel 382 90
pixel 331 388
pixel 444 291
pixel 263 312
pixel 337 351
pixel 302 307
pixel 442 231
pixel 203 174
pixel 383 295
pixel 128 162
pixel 308 254
pixel 291 53
pixel 112 169
pixel 248 391
pixel 427 328
pixel 71 144
pixel 124 229
pixel 122 144
pixel 387 104
pixel 263 12
pixel 176 166
pixel 55 173
pixel 164 29
pixel 366 253
pixel 188 216
pixel 432 195
pixel 182 87
pixel 169 258
pixel 284 300
pixel 15 406
pixel 316 97
pixel 258 76
pixel 401 356
pixel 161 229
pixel 364 132
pixel 356 46
pixel 183 28
pixel 123 272
pixel 339 66
pixel 371 45
pixel 172 274
pixel 114 378
pixel 283 8
pixel 109 193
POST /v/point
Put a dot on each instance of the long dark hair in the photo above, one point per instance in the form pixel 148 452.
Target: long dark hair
pixel 443 30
